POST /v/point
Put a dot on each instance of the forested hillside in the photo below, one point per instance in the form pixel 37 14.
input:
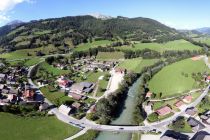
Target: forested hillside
pixel 71 31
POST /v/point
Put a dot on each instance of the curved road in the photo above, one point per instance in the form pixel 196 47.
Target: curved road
pixel 157 126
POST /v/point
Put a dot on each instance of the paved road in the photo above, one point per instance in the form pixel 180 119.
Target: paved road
pixel 159 126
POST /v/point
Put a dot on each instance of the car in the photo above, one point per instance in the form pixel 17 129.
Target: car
pixel 121 128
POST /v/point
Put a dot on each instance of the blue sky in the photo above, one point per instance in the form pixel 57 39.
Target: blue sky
pixel 181 14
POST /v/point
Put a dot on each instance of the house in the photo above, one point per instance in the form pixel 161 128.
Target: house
pixel 187 99
pixel 149 94
pixel 195 124
pixel 191 111
pixel 120 70
pixel 2 76
pixel 64 82
pixel 83 87
pixel 208 79
pixel 92 109
pixel 201 135
pixel 12 98
pixel 29 94
pixel 172 135
pixel 76 88
pixel 179 103
pixel 2 65
pixel 65 109
pixel 76 105
pixel 164 111
pixel 75 96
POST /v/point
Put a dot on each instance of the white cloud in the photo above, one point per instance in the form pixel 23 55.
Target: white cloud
pixel 8 5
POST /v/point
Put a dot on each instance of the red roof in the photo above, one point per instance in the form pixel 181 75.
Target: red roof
pixel 63 82
pixel 164 111
pixel 188 98
pixel 178 103
pixel 28 94
pixel 208 78
pixel 120 70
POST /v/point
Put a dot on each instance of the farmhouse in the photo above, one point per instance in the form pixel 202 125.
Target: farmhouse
pixel 187 99
pixel 178 104
pixel 65 109
pixel 163 111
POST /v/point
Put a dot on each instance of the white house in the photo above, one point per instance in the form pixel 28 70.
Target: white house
pixel 65 109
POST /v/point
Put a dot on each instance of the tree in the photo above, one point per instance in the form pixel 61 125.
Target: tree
pixel 153 117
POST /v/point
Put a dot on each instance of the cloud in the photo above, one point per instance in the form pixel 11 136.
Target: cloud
pixel 8 5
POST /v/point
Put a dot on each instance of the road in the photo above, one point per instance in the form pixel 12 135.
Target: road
pixel 158 126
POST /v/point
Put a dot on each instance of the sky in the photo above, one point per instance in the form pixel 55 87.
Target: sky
pixel 179 14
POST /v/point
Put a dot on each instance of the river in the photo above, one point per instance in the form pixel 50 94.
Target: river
pixel 125 117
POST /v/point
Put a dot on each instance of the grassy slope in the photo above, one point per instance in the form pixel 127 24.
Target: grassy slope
pixel 52 69
pixel 203 40
pixel 136 64
pixel 172 45
pixel 86 46
pixel 110 55
pixel 170 80
pixel 48 128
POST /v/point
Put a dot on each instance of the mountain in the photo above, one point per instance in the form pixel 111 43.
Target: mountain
pixel 73 30
pixel 9 27
pixel 100 16
pixel 205 30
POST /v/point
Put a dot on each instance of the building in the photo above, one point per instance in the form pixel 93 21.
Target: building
pixel 148 94
pixel 187 99
pixel 201 135
pixel 81 88
pixel 164 111
pixel 92 109
pixel 76 105
pixel 191 111
pixel 120 70
pixel 65 109
pixel 172 135
pixel 64 82
pixel 29 94
pixel 178 104
pixel 75 96
pixel 195 124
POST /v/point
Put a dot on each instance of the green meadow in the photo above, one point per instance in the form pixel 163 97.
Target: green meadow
pixel 176 78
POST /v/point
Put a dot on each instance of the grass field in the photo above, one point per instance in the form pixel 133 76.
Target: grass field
pixel 86 46
pixel 110 55
pixel 136 64
pixel 172 45
pixel 55 97
pixel 171 81
pixel 20 54
pixel 203 40
pixel 51 69
pixel 47 128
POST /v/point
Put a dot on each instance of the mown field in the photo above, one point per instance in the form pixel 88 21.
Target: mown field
pixel 136 64
pixel 172 45
pixel 176 78
pixel 86 46
pixel 203 40
pixel 22 54
pixel 110 55
pixel 47 128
